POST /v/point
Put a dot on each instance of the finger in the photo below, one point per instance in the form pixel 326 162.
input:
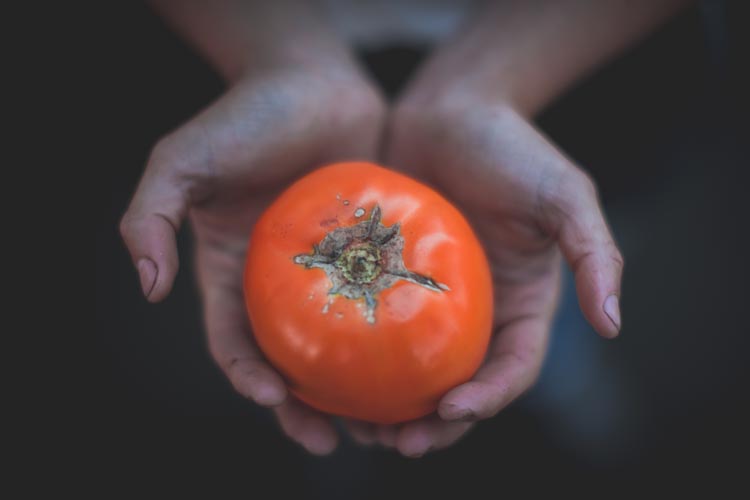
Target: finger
pixel 231 345
pixel 513 364
pixel 150 224
pixel 362 432
pixel 428 434
pixel 307 427
pixel 589 249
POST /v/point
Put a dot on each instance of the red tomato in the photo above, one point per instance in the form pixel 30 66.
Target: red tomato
pixel 369 292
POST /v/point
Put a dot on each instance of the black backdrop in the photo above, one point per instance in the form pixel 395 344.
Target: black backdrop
pixel 664 132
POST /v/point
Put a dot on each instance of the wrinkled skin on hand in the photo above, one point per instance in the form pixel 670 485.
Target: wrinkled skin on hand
pixel 220 170
pixel 526 201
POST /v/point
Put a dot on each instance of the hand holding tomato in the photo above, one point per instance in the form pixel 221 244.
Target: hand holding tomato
pixel 527 202
pixel 223 167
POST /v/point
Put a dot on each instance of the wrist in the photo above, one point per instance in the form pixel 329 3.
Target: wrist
pixel 447 84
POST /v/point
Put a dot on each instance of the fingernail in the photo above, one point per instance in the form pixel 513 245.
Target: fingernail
pixel 147 272
pixel 612 309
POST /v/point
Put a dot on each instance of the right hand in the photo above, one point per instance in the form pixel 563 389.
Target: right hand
pixel 528 204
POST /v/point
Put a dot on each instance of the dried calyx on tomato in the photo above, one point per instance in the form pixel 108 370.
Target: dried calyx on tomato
pixel 364 259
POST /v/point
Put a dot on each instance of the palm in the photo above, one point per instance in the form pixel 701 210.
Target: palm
pixel 314 130
pixel 475 160
pixel 524 261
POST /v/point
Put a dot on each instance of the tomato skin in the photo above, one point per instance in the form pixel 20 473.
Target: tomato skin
pixel 422 343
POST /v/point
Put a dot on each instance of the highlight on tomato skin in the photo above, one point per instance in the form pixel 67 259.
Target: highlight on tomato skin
pixel 369 292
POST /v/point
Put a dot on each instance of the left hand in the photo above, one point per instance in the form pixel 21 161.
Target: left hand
pixel 220 170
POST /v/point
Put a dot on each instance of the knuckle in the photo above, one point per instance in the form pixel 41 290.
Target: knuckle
pixel 163 154
pixel 186 159
pixel 185 154
pixel 161 149
pixel 566 194
pixel 585 183
pixel 578 188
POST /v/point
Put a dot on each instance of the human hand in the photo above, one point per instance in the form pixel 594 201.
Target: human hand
pixel 465 126
pixel 527 202
pixel 220 170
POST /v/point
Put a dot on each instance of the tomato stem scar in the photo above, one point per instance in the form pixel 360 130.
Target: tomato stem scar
pixel 364 259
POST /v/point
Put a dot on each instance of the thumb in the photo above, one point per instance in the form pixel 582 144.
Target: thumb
pixel 588 247
pixel 149 226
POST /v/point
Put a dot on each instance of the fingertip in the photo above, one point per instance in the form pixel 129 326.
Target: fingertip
pixel 612 310
pixel 306 427
pixel 454 412
pixel 269 394
pixel 600 309
pixel 147 273
pixel 165 273
pixel 414 441
pixel 322 443
pixel 152 246
pixel 257 381
pixel 465 403
pixel 317 435
pixel 608 333
pixel 604 318
pixel 160 290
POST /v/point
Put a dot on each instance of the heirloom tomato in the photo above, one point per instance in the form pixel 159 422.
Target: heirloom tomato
pixel 368 292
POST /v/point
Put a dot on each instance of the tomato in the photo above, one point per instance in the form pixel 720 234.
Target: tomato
pixel 369 292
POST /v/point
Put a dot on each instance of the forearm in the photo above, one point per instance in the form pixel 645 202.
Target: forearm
pixel 530 52
pixel 235 35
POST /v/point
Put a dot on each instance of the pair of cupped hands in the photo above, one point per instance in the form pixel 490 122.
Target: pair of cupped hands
pixel 528 203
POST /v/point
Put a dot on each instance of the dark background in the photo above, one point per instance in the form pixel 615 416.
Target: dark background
pixel 663 130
